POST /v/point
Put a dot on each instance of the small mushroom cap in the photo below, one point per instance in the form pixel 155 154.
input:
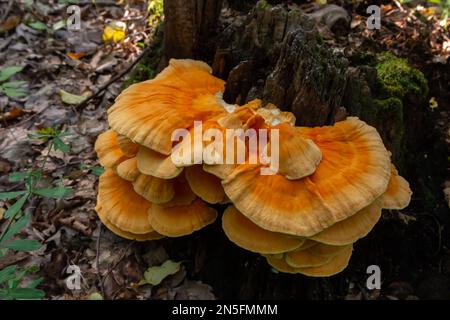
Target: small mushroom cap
pixel 398 193
pixel 299 157
pixel 148 112
pixel 154 189
pixel 156 164
pixel 305 258
pixel 181 220
pixel 273 115
pixel 308 243
pixel 354 171
pixel 205 185
pixel 325 250
pixel 280 264
pixel 249 236
pixel 127 235
pixel 108 151
pixel 183 193
pixel 128 170
pixel 351 229
pixel 123 207
pixel 128 147
pixel 337 264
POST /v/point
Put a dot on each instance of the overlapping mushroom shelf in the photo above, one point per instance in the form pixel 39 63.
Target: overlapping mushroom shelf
pixel 326 192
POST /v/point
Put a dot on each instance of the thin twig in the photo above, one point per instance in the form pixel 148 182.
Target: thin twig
pixel 117 77
pixel 97 260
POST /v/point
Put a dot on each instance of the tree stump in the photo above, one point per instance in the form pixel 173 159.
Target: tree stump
pixel 278 55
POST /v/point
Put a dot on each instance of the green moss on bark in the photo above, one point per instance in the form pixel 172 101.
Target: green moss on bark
pixel 397 78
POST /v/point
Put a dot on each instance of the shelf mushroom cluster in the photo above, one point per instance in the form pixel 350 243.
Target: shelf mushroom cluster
pixel 327 192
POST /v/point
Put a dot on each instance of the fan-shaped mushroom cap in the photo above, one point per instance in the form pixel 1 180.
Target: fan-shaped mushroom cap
pixel 205 185
pixel 351 229
pixel 127 235
pixel 249 236
pixel 183 195
pixel 335 265
pixel 108 151
pixel 181 220
pixel 299 157
pixel 156 164
pixel 128 170
pixel 154 189
pixel 123 207
pixel 128 147
pixel 148 112
pixel 354 171
pixel 398 193
pixel 305 258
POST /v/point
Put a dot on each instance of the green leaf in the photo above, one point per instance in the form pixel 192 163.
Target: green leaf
pixel 22 245
pixel 95 296
pixel 98 171
pixel 7 273
pixel 11 195
pixel 13 93
pixel 59 25
pixel 14 208
pixel 57 193
pixel 17 176
pixel 70 98
pixel 13 84
pixel 38 25
pixel 34 283
pixel 154 275
pixel 60 145
pixel 9 72
pixel 16 227
pixel 26 293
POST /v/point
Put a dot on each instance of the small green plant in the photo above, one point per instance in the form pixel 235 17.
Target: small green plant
pixel 155 11
pixel 11 277
pixel 12 88
pixel 97 170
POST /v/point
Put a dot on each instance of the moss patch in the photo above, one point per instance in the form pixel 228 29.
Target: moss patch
pixel 397 78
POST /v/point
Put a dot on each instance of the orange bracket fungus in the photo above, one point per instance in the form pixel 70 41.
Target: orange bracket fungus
pixel 299 196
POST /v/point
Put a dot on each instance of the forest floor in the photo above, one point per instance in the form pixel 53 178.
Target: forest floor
pixel 63 67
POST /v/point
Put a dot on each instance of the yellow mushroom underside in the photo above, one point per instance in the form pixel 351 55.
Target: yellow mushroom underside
pixel 249 236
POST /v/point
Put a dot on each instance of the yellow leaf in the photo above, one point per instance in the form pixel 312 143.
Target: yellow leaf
pixel 70 98
pixel 433 103
pixel 155 275
pixel 114 32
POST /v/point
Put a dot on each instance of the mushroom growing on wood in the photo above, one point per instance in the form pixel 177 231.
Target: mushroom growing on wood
pixel 353 172
pixel 123 207
pixel 398 193
pixel 108 150
pixel 249 236
pixel 205 185
pixel 326 190
pixel 181 220
pixel 148 112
